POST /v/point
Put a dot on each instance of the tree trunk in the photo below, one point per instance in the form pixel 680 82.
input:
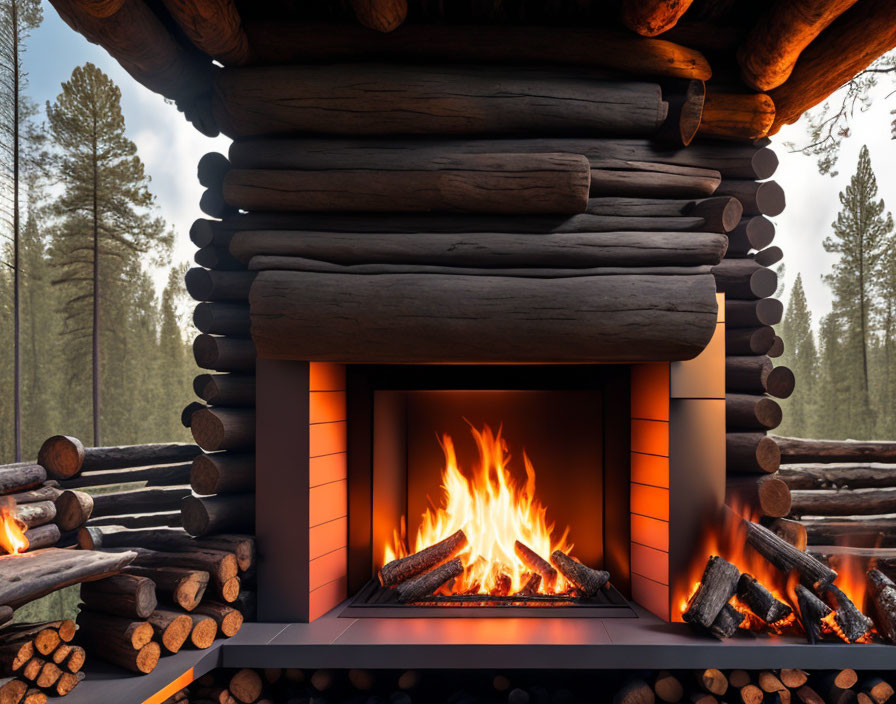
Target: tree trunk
pixel 226 513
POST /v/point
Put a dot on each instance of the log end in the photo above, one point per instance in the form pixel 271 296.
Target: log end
pixel 62 456
pixel 73 508
pixel 208 431
pixel 780 382
pixel 380 15
pixel 768 455
pixel 204 631
pixel 148 657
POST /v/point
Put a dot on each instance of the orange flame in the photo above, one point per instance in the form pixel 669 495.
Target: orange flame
pixel 493 512
pixel 12 532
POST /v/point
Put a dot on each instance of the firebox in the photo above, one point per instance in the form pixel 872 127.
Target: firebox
pixel 612 466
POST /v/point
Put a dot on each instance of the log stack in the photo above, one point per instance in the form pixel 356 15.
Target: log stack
pixel 39 660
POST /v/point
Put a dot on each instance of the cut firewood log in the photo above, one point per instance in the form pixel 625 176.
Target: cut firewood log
pixel 755 232
pixel 751 412
pixel 654 181
pixel 97 626
pixel 739 678
pixel 139 501
pixel 764 494
pixel 172 628
pixel 14 655
pixel 65 456
pixel 73 509
pixel 667 687
pixel 744 279
pixel 31 669
pixel 229 620
pixel 35 574
pixel 221 566
pixel 793 678
pixel 383 16
pixel 209 285
pixel 685 99
pixel 800 450
pixel 153 475
pixel 224 354
pixel 786 557
pixel 751 453
pixel 531 587
pixel 791 531
pixel 587 580
pixel 844 502
pixel 36 514
pixel 227 591
pixel 740 116
pixel 846 475
pixel 712 680
pixel 536 563
pixel 883 597
pixel 141 660
pixel 760 600
pixel 652 17
pixel 382 99
pixel 811 611
pixel 203 632
pixel 758 198
pixel 224 428
pixel 139 520
pixel 877 689
pixel 726 623
pixel 67 682
pixel 404 568
pixel 48 675
pixel 757 374
pixel 425 584
pixel 853 623
pixel 717 586
pixel 226 513
pixel 750 314
pixel 221 318
pixel 44 636
pixel 634 691
pixel 123 595
pixel 21 477
pixel 245 685
pixel 184 587
pixel 226 389
pixel 12 690
pixel 223 473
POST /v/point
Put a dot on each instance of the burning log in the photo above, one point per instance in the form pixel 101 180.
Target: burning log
pixel 740 116
pixel 752 412
pixel 209 285
pixel 812 611
pixel 791 531
pixel 229 620
pixel 123 595
pixel 851 475
pixel 419 587
pixel 751 453
pixel 883 597
pixel 531 587
pixel 172 628
pixel 717 586
pixel 587 580
pixel 36 514
pixel 203 632
pixel 760 600
pixel 184 587
pixel 139 501
pixel 757 374
pixel 230 472
pixel 853 623
pixel 767 495
pixel 44 536
pixel 221 318
pixel 800 450
pixel 224 428
pixel 226 389
pixel 786 557
pixel 844 502
pixel 73 509
pixel 744 279
pixel 749 314
pixel 224 354
pixel 404 568
pixel 226 513
pixel 65 456
pixel 153 475
pixel 536 563
pixel 726 623
pixel 755 232
pixel 20 477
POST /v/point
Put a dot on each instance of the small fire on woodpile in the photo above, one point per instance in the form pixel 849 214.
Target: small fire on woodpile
pixel 489 537
pixel 12 532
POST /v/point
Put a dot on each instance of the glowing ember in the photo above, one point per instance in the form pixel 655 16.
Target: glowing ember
pixel 493 512
pixel 12 532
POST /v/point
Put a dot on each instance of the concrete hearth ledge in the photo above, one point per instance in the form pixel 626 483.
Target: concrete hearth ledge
pixel 621 643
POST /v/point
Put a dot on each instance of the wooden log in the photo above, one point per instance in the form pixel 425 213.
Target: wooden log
pixel 743 116
pixel 751 453
pixel 186 415
pixel 284 42
pixel 744 279
pixel 423 585
pixel 720 213
pixel 753 413
pixel 660 181
pixel 877 689
pixel 228 591
pixel 152 475
pixel 488 183
pixel 34 696
pixel 382 16
pixel 851 530
pixel 36 514
pixel 717 585
pixel 777 348
pixel 405 568
pixel 668 687
pixel 227 513
pixel 42 637
pixel 844 49
pixel 712 680
pixel 807 695
pixel 753 232
pixel 749 341
pixel 67 682
pixel 221 566
pixel 73 508
pixel 47 492
pixel 44 536
pixel 212 203
pixel 214 26
pixel 634 691
pixel 791 531
pixel 883 597
pixel 617 317
pixel 847 475
pixel 224 428
pixel 381 99
pixel 229 619
pixel 127 633
pixel 489 249
pixel 48 675
pixel 726 623
pixel 800 450
pixel 64 456
pixel 652 17
pixel 225 389
pixel 211 169
pixel 786 557
pixel 204 631
pixel 217 258
pixel 685 99
pixel 137 501
pixel 126 595
pixel 223 473
pixel 750 314
pixel 139 520
pixel 12 690
pixel 811 611
pixel 768 256
pixel 140 660
pixel 208 285
pixel 16 478
pixel 222 318
pixel 793 678
pixel 853 623
pixel 757 374
pixel 765 198
pixel 172 628
pixel 765 495
pixel 536 563
pixel 587 580
pixel 226 354
pixel 761 602
pixel 844 502
pixel 180 585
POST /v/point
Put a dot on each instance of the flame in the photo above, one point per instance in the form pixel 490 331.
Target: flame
pixel 494 512
pixel 12 532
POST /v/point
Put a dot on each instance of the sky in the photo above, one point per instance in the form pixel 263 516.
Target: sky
pixel 170 148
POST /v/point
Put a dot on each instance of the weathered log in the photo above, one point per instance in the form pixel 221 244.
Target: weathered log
pixel 186 415
pixel 223 473
pixel 536 563
pixel 50 491
pixel 204 631
pixel 405 568
pixel 844 49
pixel 21 477
pixel 655 181
pixel 791 531
pixel 180 585
pixel 758 198
pixel 229 620
pixel 685 99
pixel 760 600
pixel 800 450
pixel 226 389
pixel 224 428
pixel 852 475
pixel 44 536
pixel 355 99
pixel 425 584
pixel 757 374
pixel 726 623
pixel 754 232
pixel 172 628
pixel 209 285
pixel 227 513
pixel 853 623
pixel 139 520
pixel 141 500
pixel 129 633
pixel 65 456
pixel 851 530
pixel 770 51
pixel 222 318
pixel 490 249
pixel 480 318
pixel 753 413
pixel 221 566
pixel 217 258
pixel 587 580
pixel 766 495
pixel 214 27
pixel 153 475
pixel 280 42
pixel 786 557
pixel 487 183
pixel 744 279
pixel 124 595
pixel 749 341
pixel 717 585
pixel 744 116
pixel 73 508
pixel 226 354
pixel 811 611
pixel 844 502
pixel 750 314
pixel 768 256
pixel 383 16
pixel 883 598
pixel 777 348
pixel 720 213
pixel 36 514
pixel 751 453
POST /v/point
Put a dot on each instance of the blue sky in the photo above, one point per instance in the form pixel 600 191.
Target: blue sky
pixel 170 148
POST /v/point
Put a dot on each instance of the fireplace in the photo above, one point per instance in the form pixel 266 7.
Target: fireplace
pixel 627 460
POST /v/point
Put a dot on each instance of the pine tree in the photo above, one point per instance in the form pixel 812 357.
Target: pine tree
pixel 859 237
pixel 103 224
pixel 802 357
pixel 886 324
pixel 831 412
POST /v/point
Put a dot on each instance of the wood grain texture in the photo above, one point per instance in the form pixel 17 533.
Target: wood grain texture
pixel 651 17
pixel 214 26
pixel 742 116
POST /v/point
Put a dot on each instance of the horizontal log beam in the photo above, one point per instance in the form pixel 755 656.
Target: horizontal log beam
pixel 749 341
pixel 21 477
pixel 139 501
pixel 801 450
pixel 224 354
pixel 765 198
pixel 153 475
pixel 744 279
pixel 226 389
pixel 208 285
pixel 754 232
pixel 742 116
pixel 760 495
pixel 750 314
pixel 750 412
pixel 64 456
pixel 224 428
pixel 756 374
pixel 751 453
pixel 228 513
pixel 851 530
pixel 139 520
pixel 223 472
pixel 222 318
pixel 853 475
pixel 844 502
pixel 216 258
pixel 214 26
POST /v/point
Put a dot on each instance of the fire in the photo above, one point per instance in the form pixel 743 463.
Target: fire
pixel 12 532
pixel 494 512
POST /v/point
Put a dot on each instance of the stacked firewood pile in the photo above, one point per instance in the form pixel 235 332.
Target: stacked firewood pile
pixel 39 659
